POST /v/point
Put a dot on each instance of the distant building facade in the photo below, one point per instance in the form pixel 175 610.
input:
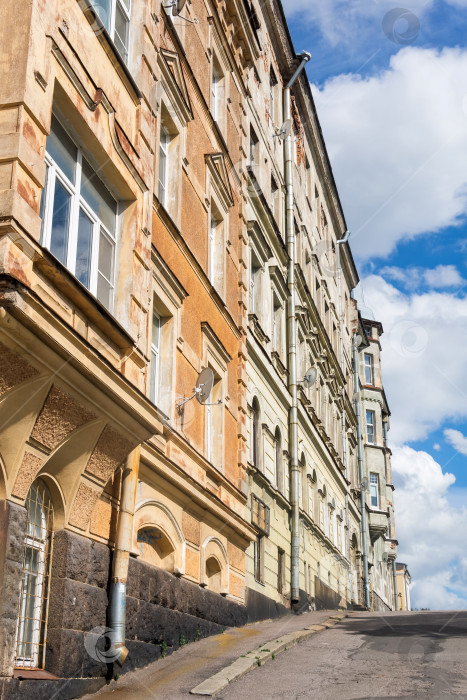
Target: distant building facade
pixel 403 586
pixel 381 535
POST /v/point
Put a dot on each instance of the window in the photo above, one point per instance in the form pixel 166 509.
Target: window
pixel 369 369
pixel 169 170
pixel 326 518
pixel 255 287
pixel 215 424
pixel 80 216
pixel 155 345
pixel 278 460
pixel 254 147
pixel 216 250
pixel 374 490
pixel 280 570
pixel 370 427
pixel 255 434
pixel 260 514
pixel 275 199
pixel 217 91
pixel 272 96
pixel 308 180
pixel 277 314
pixel 259 559
pixel 34 592
pixel 163 162
pixel 115 16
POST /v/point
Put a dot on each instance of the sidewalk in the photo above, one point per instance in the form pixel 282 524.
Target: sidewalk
pixel 175 676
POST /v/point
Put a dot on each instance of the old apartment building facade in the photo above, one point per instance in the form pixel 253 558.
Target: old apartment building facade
pixel 143 239
pixel 381 533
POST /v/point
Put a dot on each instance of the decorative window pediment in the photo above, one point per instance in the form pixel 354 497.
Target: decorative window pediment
pixel 258 242
pixel 174 83
pixel 278 282
pixel 220 178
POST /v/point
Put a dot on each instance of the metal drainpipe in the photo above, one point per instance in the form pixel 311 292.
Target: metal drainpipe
pixel 342 241
pixel 361 474
pixel 123 540
pixel 394 576
pixel 291 337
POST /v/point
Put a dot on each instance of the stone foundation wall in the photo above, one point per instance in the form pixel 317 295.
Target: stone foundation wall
pixel 164 611
pixel 325 597
pixel 379 604
pixel 260 607
pixel 12 531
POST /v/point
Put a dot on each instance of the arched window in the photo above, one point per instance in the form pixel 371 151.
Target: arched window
pixel 255 432
pixel 304 483
pixel 156 548
pixel 213 574
pixel 34 596
pixel 278 460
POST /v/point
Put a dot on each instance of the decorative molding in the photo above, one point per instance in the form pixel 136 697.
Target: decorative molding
pixel 174 83
pixel 167 279
pixel 215 163
pixel 215 342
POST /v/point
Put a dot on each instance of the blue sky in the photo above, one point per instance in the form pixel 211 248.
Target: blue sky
pixel 394 115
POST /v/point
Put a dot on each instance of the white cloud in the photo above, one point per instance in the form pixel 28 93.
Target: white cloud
pixel 457 440
pixel 443 276
pixel 430 530
pixel 394 140
pixel 437 446
pixel 424 367
pixel 440 277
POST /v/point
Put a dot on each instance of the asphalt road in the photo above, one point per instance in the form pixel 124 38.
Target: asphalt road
pixel 369 655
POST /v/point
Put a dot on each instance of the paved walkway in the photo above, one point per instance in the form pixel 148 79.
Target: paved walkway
pixel 173 678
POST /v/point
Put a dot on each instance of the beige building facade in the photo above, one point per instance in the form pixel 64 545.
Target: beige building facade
pixel 178 435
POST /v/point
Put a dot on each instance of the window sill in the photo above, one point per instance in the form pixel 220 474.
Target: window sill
pixel 79 296
pixel 34 674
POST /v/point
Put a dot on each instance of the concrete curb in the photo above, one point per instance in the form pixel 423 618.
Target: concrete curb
pixel 265 652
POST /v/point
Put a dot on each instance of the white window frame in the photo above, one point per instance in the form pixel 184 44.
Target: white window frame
pixel 374 490
pixel 78 203
pixel 216 80
pixel 370 427
pixel 109 23
pixel 155 359
pixel 368 361
pixel 163 181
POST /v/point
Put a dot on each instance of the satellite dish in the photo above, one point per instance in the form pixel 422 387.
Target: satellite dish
pixel 364 485
pixel 204 384
pixel 285 129
pixel 310 377
pixel 357 340
pixel 177 7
